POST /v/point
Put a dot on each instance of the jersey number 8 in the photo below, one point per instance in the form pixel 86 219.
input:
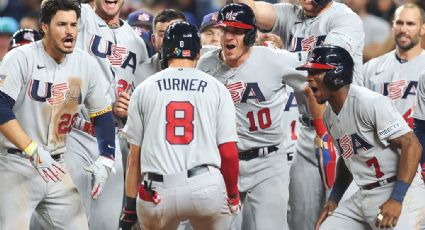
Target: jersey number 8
pixel 179 128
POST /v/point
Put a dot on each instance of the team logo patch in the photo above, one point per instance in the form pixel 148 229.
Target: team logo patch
pixel 118 55
pixel 236 90
pixel 186 53
pixel 396 89
pixel 143 17
pixel 2 78
pixel 177 52
pixel 29 36
pixel 231 16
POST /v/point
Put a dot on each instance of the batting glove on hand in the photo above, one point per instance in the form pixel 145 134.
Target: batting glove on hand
pixel 100 170
pixel 128 219
pixel 234 204
pixel 42 161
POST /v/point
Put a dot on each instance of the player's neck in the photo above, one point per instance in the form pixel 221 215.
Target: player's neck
pixel 55 54
pixel 183 63
pixel 409 54
pixel 112 22
pixel 337 99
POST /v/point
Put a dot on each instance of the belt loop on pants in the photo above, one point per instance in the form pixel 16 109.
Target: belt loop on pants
pixel 379 183
pixel 190 173
pixel 257 152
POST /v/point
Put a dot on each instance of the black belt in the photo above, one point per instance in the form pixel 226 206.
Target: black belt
pixel 190 173
pixel 306 121
pixel 379 183
pixel 56 157
pixel 254 153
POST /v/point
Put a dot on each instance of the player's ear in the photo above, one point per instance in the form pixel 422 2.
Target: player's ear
pixel 44 27
pixel 153 39
pixel 423 29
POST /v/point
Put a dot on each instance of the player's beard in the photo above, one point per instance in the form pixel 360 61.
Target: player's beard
pixel 413 42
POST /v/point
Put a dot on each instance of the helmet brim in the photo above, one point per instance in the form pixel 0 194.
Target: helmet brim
pixel 319 66
pixel 234 24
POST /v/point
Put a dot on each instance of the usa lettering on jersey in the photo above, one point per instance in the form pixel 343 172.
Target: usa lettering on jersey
pixel 305 44
pixel 241 92
pixel 349 144
pixel 399 89
pixel 53 94
pixel 117 55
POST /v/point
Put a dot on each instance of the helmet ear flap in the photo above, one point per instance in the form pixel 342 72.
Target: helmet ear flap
pixel 250 37
pixel 337 78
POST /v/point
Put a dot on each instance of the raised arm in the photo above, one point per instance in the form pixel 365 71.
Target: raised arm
pixel 264 13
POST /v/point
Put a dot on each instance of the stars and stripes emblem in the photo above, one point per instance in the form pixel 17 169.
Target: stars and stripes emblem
pixel 346 146
pixel 308 43
pixel 236 90
pixel 396 89
pixel 118 55
pixel 58 93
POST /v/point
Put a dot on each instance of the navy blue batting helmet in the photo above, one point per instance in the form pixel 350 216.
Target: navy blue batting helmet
pixel 239 15
pixel 335 60
pixel 181 40
pixel 22 37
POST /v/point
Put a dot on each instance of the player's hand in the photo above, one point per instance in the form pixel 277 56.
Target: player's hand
pixel 388 215
pixel 121 105
pixel 234 204
pixel 330 206
pixel 128 219
pixel 100 170
pixel 47 167
pixel 316 109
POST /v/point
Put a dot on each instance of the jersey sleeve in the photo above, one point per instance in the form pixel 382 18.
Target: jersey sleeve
pixel 388 122
pixel 134 127
pixel 419 112
pixel 97 100
pixel 226 118
pixel 285 15
pixel 13 73
pixel 290 76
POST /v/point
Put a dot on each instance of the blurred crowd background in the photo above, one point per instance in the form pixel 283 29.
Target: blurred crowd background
pixel 376 15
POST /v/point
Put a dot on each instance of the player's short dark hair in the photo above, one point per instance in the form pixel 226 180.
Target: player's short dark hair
pixel 50 7
pixel 167 15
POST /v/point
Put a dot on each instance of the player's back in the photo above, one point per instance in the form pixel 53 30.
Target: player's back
pixel 185 114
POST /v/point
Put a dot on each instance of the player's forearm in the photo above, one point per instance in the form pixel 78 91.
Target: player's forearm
pixel 342 181
pixel 265 14
pixel 133 174
pixel 105 134
pixel 13 131
pixel 230 167
pixel 409 159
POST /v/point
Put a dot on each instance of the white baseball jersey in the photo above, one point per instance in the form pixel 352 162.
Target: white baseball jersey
pixel 148 68
pixel 299 33
pixel 290 123
pixel 258 92
pixel 395 79
pixel 119 51
pixel 179 116
pixel 361 131
pixel 49 95
pixel 419 112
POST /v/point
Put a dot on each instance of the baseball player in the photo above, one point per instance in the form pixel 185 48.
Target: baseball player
pixel 22 37
pixel 302 27
pixel 118 50
pixel 42 86
pixel 141 21
pixel 172 116
pixel 377 150
pixel 160 23
pixel 210 34
pixel 258 98
pixel 396 73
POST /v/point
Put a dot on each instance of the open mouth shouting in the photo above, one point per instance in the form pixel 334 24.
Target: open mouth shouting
pixel 68 42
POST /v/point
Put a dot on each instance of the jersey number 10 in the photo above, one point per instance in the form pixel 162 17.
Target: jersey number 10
pixel 264 120
pixel 179 128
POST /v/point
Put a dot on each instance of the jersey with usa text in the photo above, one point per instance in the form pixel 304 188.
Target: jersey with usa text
pixel 258 92
pixel 396 79
pixel 119 52
pixel 48 95
pixel 361 132
pixel 301 34
pixel 419 112
pixel 179 116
